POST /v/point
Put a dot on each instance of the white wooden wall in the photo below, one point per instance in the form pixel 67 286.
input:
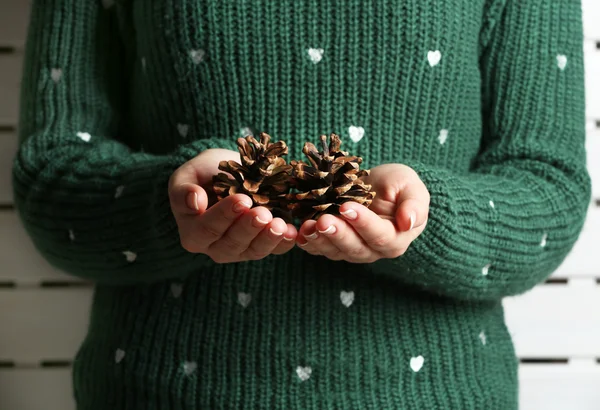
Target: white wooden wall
pixel 43 313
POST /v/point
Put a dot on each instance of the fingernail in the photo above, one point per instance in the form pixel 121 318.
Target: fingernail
pixel 192 201
pixel 350 214
pixel 260 221
pixel 330 230
pixel 285 238
pixel 302 244
pixel 241 206
pixel 412 218
pixel 275 233
pixel 313 235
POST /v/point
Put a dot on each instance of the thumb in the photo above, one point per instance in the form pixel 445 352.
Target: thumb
pixel 188 199
pixel 411 214
pixel 186 196
pixel 412 205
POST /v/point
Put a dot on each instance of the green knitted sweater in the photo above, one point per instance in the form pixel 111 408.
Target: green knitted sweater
pixel 483 98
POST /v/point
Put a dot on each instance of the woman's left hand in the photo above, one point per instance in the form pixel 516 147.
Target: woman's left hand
pixel 396 217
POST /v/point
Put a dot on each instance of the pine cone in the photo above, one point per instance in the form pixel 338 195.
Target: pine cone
pixel 331 178
pixel 263 174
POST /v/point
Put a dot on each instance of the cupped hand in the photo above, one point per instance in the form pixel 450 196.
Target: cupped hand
pixel 228 230
pixel 396 217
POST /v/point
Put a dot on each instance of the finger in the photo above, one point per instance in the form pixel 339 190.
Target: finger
pixel 345 238
pixel 411 214
pixel 241 233
pixel 213 223
pixel 266 241
pixel 316 242
pixel 288 240
pixel 307 233
pixel 378 233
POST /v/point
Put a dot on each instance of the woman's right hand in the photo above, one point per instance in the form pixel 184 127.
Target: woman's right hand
pixel 229 230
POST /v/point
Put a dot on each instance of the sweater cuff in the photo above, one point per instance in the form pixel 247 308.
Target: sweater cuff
pixel 439 250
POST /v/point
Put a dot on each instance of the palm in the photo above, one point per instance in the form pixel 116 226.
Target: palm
pixel 397 215
pixel 387 181
pixel 207 163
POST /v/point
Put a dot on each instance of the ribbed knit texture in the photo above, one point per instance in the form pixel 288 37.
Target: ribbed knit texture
pixel 484 99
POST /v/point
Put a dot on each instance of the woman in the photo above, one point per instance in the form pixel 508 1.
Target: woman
pixel 470 115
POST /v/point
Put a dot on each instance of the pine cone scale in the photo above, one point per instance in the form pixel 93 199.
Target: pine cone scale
pixel 331 178
pixel 263 174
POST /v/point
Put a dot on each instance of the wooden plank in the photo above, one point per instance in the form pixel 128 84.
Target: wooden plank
pixel 49 324
pixel 21 262
pixel 592 80
pixel 548 387
pixel 36 389
pixel 10 67
pixel 8 148
pixel 591 17
pixel 593 160
pixel 14 19
pixel 559 387
pixel 42 324
pixel 556 321
pixel 583 260
pixel 15 15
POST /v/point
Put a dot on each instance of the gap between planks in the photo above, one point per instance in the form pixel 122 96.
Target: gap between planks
pixel 45 284
pixel 42 364
pixel 578 362
pixel 524 361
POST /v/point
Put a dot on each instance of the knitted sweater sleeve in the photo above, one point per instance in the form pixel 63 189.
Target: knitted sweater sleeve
pixel 94 207
pixel 506 225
